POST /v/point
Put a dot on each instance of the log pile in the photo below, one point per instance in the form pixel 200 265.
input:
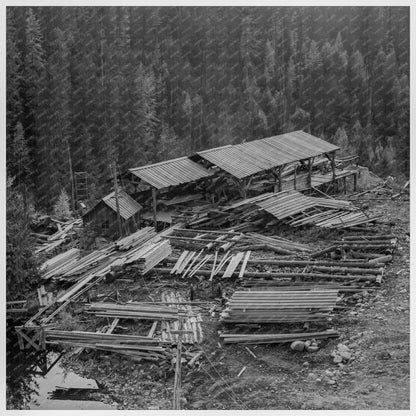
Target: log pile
pixel 376 248
pixel 267 338
pixel 279 306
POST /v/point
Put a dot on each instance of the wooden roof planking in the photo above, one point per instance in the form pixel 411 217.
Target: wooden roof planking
pixel 128 206
pixel 249 158
pixel 171 172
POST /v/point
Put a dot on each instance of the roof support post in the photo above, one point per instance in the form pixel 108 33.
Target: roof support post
pixel 154 201
pixel 279 172
pixel 310 164
pixel 294 178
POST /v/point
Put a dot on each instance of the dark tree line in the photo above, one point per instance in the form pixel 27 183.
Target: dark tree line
pixel 87 86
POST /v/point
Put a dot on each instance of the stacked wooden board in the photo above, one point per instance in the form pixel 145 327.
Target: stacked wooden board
pixel 60 263
pixel 133 310
pixel 131 345
pixel 279 306
pixel 144 248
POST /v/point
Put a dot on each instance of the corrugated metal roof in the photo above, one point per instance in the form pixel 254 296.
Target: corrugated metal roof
pixel 171 172
pixel 246 159
pixel 128 206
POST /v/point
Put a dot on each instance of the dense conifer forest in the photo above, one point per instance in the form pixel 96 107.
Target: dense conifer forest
pixel 89 86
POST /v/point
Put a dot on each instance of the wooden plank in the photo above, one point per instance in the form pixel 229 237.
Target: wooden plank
pixel 152 329
pixel 213 267
pixel 244 265
pixel 233 264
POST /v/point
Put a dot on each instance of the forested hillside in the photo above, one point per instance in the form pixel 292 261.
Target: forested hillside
pixel 87 86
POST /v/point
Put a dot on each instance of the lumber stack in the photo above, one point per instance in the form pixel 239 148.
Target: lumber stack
pixel 137 238
pixel 133 310
pixel 63 261
pixel 229 338
pixel 150 255
pixel 279 306
pixel 130 345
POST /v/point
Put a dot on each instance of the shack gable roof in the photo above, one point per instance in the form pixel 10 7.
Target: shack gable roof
pixel 248 158
pixel 171 172
pixel 128 206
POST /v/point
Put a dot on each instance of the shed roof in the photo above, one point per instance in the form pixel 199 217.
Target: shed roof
pixel 171 172
pixel 248 158
pixel 127 205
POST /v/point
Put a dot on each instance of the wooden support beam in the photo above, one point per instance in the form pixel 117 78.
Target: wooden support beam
pixel 279 173
pixel 310 164
pixel 154 202
pixel 294 178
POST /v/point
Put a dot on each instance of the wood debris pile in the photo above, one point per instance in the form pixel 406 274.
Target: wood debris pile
pixel 144 248
pixel 66 231
pixel 288 207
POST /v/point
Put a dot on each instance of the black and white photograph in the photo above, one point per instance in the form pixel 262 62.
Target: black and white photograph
pixel 207 206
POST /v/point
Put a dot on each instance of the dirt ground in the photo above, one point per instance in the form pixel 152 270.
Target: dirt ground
pixel 375 327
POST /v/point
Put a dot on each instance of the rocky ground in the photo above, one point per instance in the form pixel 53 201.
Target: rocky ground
pixel 374 347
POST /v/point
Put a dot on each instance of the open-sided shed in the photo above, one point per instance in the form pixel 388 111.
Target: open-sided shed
pixel 243 161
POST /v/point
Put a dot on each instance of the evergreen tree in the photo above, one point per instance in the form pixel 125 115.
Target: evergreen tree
pixel 21 264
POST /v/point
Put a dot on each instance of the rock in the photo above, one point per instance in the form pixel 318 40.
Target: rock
pixel 354 345
pixel 345 355
pixel 307 343
pixel 312 348
pixel 297 346
pixel 342 347
pixel 337 359
pixel 331 382
pixel 311 376
pixel 340 365
pixel 153 408
pixel 305 364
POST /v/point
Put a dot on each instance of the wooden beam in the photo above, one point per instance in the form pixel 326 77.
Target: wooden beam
pixel 154 201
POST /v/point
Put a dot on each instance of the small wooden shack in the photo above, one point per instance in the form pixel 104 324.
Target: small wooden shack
pixel 102 217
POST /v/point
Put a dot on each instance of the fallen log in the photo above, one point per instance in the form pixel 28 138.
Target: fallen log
pixel 164 271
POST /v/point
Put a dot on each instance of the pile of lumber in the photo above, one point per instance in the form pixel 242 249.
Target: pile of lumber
pixel 279 306
pixel 130 345
pixel 144 249
pixel 266 338
pixel 288 207
pixel 61 262
pixel 133 310
pixel 150 255
pixel 137 238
